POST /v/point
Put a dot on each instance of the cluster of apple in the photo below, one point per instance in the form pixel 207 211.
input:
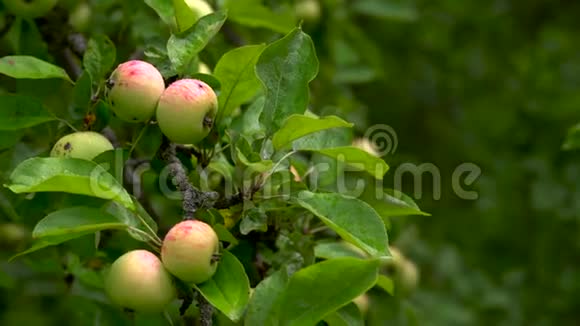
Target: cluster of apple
pixel 184 111
pixel 140 281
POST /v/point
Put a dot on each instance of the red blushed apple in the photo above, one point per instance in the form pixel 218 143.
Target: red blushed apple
pixel 135 89
pixel 186 111
pixel 189 250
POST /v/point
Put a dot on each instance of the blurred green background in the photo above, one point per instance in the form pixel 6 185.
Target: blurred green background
pixel 493 83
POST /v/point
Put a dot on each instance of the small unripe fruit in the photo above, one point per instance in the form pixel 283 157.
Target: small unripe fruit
pixel 13 236
pixel 199 8
pixel 366 145
pixel 403 271
pixel 137 280
pixel 189 250
pixel 29 8
pixel 362 303
pixel 408 277
pixel 135 90
pixel 309 10
pixel 80 17
pixel 83 144
pixel 204 69
pixel 186 111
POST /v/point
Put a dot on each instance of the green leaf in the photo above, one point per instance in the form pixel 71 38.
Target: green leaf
pixel 391 202
pixel 329 250
pixel 138 219
pixel 386 9
pixel 354 220
pixel 358 159
pixel 253 219
pixel 328 138
pixel 164 9
pixel 249 122
pixel 297 126
pixel 183 48
pixel 236 73
pixel 27 67
pixel 47 242
pixel 9 138
pixel 229 288
pixel 70 223
pixel 19 112
pixel 386 283
pixel 265 302
pixel 225 235
pixel 348 315
pixel 75 220
pixel 69 175
pixel 285 68
pixel 82 92
pixel 318 290
pixel 184 16
pixel 99 57
pixel 253 13
pixel 572 138
pixel 260 166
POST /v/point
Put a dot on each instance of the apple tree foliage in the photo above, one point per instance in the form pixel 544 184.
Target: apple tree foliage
pixel 273 177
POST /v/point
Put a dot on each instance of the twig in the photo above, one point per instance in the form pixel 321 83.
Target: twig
pixel 230 201
pixel 188 150
pixel 205 310
pixel 180 180
pixel 193 199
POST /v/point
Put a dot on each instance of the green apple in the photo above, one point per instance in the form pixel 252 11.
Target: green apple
pixel 135 90
pixel 366 145
pixel 186 111
pixel 204 69
pixel 137 280
pixel 362 303
pixel 189 250
pixel 83 144
pixel 80 17
pixel 13 236
pixel 199 8
pixel 308 10
pixel 29 8
pixel 402 270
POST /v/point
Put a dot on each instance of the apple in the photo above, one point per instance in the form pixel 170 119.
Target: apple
pixel 199 8
pixel 13 236
pixel 308 10
pixel 366 145
pixel 80 17
pixel 186 111
pixel 204 69
pixel 83 144
pixel 362 303
pixel 189 250
pixel 137 280
pixel 135 88
pixel 29 8
pixel 408 277
pixel 403 271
